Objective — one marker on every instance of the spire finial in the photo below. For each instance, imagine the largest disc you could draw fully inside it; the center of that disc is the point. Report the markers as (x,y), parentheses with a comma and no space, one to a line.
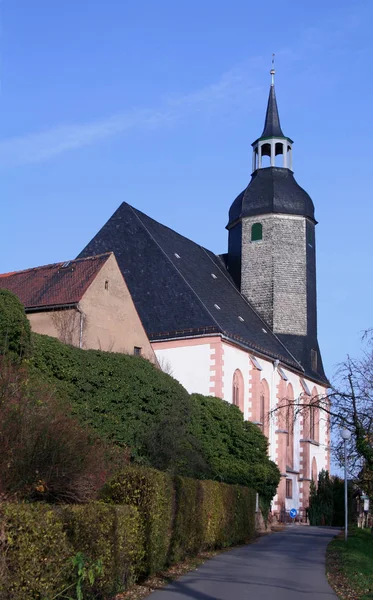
(273,70)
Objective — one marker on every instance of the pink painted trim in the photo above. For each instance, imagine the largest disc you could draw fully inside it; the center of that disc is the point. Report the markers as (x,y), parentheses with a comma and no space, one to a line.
(216,367)
(185,342)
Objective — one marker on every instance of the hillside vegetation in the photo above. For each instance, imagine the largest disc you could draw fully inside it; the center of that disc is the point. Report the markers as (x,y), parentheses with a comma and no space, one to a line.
(131,403)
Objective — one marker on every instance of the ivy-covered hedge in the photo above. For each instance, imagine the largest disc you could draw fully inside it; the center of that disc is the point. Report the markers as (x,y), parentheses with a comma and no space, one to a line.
(235,451)
(130,402)
(15,330)
(126,399)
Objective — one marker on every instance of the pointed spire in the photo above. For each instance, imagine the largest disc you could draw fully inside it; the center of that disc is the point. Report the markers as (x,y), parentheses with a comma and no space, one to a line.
(272,127)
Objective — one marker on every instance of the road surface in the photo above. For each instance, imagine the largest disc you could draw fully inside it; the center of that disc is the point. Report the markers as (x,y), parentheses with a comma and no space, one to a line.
(289,565)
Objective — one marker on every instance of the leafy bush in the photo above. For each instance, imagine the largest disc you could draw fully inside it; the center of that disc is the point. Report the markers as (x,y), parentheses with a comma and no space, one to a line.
(34,552)
(187,528)
(126,399)
(152,493)
(327,501)
(44,453)
(15,331)
(183,516)
(108,535)
(234,450)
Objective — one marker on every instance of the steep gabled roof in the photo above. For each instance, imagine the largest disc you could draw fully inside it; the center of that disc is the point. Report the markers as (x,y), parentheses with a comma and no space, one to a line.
(179,288)
(54,285)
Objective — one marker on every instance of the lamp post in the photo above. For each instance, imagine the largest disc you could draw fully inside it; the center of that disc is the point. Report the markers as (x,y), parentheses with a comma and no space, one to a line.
(346,435)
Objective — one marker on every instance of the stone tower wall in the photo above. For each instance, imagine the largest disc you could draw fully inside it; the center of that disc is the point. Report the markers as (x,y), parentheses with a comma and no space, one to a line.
(274,271)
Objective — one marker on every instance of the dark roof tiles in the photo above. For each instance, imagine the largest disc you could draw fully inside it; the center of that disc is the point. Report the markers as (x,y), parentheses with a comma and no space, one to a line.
(272,127)
(272,190)
(177,297)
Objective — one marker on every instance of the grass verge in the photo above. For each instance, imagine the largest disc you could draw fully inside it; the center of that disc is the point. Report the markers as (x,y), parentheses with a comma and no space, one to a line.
(349,565)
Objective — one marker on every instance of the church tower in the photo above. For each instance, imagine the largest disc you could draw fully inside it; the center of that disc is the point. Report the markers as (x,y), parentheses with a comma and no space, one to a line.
(271,247)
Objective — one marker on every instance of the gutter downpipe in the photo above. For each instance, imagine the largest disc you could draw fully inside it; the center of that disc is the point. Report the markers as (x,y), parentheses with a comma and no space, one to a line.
(81,323)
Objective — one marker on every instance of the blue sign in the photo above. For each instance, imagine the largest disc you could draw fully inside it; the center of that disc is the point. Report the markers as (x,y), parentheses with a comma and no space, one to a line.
(293,513)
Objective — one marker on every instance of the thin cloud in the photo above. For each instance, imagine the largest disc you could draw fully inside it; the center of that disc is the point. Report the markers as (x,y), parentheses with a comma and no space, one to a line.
(41,146)
(235,88)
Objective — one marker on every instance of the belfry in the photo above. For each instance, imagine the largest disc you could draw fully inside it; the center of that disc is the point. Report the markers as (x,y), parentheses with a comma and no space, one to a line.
(271,247)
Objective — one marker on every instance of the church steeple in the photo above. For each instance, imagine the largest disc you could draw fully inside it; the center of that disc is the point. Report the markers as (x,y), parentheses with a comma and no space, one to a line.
(272,142)
(272,127)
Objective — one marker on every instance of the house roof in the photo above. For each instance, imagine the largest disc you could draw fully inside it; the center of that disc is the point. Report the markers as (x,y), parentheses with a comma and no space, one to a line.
(58,284)
(181,289)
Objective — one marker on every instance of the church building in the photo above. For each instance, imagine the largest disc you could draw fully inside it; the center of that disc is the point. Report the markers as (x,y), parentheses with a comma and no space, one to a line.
(241,326)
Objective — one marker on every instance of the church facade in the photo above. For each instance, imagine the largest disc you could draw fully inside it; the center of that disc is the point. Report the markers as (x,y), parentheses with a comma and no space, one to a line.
(241,326)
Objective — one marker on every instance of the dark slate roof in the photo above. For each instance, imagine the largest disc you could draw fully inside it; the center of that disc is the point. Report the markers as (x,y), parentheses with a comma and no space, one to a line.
(272,190)
(272,127)
(171,282)
(54,285)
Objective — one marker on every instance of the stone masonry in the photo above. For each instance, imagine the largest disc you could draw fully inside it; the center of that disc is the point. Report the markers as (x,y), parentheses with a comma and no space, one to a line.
(274,271)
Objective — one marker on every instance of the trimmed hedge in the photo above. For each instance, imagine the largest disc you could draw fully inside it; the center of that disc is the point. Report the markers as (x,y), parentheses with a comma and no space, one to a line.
(210,515)
(34,552)
(183,516)
(110,534)
(148,520)
(152,492)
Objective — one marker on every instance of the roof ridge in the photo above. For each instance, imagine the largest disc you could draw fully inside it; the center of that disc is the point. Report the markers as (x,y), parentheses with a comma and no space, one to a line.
(50,265)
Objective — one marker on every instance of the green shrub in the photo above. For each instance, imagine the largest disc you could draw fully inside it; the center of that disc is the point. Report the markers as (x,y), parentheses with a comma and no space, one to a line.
(111,535)
(126,399)
(183,516)
(187,529)
(152,492)
(234,450)
(34,552)
(45,454)
(15,331)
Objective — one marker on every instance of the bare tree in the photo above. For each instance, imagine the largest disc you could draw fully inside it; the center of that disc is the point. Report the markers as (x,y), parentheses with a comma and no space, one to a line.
(67,323)
(348,404)
(165,365)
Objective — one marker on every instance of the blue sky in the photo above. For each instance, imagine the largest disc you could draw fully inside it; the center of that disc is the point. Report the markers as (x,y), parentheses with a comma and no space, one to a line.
(156,103)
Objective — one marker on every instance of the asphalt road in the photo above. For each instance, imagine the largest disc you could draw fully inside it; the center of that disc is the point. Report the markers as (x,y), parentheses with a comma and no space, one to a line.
(289,565)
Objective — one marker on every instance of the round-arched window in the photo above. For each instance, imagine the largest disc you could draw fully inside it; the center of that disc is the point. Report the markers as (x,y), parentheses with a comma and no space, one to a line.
(238,390)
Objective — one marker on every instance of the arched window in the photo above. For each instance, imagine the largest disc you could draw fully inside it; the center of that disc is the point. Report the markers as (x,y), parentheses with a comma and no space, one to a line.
(314,471)
(290,426)
(314,416)
(256,232)
(238,390)
(264,407)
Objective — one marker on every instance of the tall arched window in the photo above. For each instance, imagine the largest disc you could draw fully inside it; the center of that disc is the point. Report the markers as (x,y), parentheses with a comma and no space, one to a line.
(238,390)
(256,232)
(314,417)
(264,407)
(290,426)
(314,470)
